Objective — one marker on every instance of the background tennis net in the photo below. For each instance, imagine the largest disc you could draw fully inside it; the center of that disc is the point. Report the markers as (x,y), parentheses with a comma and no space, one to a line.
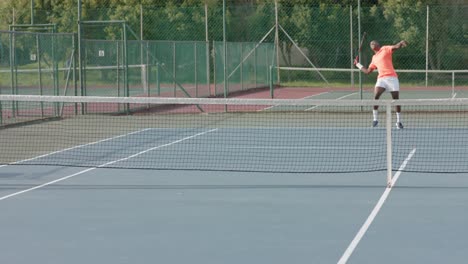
(414,84)
(287,136)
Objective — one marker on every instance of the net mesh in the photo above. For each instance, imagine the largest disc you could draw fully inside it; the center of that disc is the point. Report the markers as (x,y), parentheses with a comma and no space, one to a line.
(281,136)
(414,84)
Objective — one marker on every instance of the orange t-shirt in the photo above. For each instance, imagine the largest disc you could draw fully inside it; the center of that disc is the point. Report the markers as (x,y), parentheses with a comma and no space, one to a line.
(382,60)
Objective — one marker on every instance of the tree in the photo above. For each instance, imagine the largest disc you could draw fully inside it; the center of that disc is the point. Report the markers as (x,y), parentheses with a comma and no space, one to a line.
(445,29)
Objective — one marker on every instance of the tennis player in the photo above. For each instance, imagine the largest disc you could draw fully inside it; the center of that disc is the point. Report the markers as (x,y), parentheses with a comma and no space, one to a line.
(387,78)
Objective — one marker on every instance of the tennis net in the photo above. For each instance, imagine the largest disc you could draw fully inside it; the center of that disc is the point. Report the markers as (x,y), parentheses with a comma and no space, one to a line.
(143,80)
(276,135)
(414,84)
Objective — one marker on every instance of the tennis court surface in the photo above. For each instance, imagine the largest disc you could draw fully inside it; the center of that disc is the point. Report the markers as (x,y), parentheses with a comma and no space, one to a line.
(168,180)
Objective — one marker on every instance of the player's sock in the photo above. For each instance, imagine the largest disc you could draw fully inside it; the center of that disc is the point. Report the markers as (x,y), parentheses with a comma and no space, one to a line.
(375,113)
(398,122)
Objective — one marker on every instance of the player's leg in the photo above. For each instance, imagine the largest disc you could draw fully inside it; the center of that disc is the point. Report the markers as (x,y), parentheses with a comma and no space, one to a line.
(378,91)
(396,96)
(394,88)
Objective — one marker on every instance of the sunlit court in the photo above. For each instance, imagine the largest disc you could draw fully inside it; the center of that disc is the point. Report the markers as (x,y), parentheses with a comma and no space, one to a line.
(233,132)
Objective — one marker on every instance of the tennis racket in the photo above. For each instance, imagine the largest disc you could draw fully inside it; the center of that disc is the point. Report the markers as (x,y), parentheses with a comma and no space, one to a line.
(360,47)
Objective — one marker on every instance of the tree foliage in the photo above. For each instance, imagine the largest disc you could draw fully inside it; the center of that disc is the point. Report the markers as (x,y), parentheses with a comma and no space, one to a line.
(319,26)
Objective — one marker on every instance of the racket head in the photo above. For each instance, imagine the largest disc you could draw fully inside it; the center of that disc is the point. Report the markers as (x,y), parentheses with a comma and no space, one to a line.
(360,47)
(362,41)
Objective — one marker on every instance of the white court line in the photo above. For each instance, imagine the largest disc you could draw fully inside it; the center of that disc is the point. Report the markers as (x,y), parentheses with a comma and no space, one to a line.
(308,109)
(103,165)
(302,98)
(307,97)
(299,148)
(74,147)
(374,212)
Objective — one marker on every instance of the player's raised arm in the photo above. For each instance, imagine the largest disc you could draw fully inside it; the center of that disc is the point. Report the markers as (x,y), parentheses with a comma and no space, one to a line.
(361,67)
(400,44)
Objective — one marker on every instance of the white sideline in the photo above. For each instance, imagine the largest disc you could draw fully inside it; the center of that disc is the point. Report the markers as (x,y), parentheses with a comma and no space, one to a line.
(374,213)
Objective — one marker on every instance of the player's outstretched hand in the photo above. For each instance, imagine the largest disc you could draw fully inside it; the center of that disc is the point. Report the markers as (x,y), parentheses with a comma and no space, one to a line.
(356,60)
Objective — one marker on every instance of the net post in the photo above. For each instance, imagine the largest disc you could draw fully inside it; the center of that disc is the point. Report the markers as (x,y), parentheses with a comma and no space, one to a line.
(388,127)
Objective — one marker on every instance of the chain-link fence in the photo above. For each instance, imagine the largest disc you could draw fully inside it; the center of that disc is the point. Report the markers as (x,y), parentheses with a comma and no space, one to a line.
(36,64)
(173,50)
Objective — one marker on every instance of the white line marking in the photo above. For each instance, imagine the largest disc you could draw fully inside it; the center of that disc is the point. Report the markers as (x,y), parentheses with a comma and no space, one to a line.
(374,213)
(310,96)
(454,95)
(298,148)
(45,184)
(75,147)
(308,109)
(157,147)
(102,165)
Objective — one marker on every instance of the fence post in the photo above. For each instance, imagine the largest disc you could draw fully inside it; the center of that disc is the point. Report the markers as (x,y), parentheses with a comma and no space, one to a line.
(271,82)
(80,59)
(174,68)
(242,66)
(195,66)
(158,75)
(427,42)
(38,58)
(360,53)
(277,42)
(215,91)
(207,41)
(225,53)
(351,44)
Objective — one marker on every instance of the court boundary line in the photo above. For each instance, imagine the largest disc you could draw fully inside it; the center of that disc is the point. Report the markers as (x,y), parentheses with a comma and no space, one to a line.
(102,165)
(310,108)
(362,231)
(237,146)
(270,107)
(75,147)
